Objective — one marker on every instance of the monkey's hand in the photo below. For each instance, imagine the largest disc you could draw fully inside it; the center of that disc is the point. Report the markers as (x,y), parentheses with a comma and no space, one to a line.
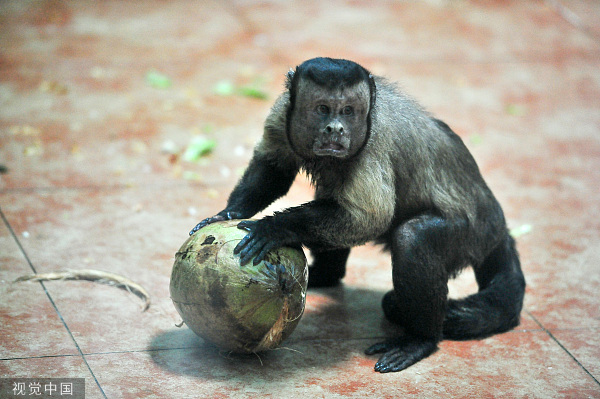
(401,353)
(263,236)
(219,217)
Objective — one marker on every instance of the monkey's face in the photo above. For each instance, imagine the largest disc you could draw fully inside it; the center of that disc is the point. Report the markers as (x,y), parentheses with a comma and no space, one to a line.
(329,122)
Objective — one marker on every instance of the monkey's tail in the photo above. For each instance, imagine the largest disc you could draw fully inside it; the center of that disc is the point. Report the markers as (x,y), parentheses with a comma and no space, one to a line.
(497,305)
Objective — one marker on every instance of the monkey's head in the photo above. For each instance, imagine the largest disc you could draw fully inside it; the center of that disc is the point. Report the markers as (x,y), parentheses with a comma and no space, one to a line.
(329,114)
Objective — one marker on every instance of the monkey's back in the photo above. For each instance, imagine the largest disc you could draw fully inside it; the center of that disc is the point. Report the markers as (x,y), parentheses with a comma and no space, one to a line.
(434,171)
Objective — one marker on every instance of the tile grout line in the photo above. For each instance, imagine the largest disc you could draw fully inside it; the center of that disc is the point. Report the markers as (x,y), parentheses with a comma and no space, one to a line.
(12,232)
(37,357)
(562,347)
(14,236)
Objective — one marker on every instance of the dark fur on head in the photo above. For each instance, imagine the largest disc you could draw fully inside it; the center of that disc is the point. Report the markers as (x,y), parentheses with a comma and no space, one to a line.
(330,73)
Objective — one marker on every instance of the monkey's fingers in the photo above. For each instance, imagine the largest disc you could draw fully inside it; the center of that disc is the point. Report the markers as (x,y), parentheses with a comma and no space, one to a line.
(243,243)
(264,251)
(246,225)
(252,251)
(206,222)
(198,227)
(394,360)
(219,217)
(401,353)
(245,248)
(251,247)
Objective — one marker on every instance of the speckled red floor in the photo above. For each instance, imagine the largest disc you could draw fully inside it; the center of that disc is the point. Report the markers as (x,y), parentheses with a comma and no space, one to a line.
(91,179)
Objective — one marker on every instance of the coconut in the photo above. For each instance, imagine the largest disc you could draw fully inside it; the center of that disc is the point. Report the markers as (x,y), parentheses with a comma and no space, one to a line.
(242,309)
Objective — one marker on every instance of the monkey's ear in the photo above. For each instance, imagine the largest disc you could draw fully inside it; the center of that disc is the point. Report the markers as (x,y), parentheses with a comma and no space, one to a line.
(373,88)
(289,78)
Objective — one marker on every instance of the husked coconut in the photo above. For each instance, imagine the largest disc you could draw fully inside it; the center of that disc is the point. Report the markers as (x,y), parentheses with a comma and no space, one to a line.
(242,309)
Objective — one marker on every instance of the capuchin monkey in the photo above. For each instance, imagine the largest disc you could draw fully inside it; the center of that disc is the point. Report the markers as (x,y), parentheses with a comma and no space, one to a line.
(385,171)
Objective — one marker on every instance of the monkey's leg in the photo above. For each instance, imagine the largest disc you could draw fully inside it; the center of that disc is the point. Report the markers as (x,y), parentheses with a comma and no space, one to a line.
(421,248)
(497,305)
(328,267)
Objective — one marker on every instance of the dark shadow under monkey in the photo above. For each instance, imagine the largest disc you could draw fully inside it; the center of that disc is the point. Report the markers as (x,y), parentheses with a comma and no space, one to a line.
(386,171)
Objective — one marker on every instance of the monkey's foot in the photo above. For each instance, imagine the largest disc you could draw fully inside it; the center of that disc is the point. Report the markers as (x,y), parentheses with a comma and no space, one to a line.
(401,353)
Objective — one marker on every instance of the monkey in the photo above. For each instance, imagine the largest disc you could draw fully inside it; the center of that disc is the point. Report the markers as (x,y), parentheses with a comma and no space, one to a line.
(384,171)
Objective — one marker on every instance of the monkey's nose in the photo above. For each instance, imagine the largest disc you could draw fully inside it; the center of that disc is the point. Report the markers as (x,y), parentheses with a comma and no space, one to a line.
(335,127)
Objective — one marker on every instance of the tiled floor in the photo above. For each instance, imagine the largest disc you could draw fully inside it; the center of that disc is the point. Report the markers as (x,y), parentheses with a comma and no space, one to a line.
(90,183)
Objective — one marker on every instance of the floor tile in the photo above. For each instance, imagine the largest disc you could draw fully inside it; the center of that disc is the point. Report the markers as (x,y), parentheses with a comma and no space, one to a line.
(564,295)
(333,368)
(25,310)
(583,345)
(99,231)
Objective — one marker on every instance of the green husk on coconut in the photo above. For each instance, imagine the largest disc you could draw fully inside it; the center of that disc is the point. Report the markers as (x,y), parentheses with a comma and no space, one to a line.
(242,309)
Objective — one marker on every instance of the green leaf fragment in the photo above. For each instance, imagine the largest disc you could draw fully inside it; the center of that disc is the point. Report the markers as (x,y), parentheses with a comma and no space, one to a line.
(158,80)
(475,139)
(224,88)
(521,230)
(198,147)
(227,88)
(516,110)
(253,92)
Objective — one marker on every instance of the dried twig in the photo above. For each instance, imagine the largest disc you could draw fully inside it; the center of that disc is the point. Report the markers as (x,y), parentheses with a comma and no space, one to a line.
(96,276)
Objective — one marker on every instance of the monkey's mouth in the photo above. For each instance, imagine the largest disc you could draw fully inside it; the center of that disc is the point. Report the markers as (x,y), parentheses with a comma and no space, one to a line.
(331,149)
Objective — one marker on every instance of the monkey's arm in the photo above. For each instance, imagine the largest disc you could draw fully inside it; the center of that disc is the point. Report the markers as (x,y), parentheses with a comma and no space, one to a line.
(360,212)
(304,224)
(264,181)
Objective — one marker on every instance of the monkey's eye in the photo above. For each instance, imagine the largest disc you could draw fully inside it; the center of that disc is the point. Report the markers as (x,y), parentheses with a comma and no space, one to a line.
(322,109)
(348,110)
